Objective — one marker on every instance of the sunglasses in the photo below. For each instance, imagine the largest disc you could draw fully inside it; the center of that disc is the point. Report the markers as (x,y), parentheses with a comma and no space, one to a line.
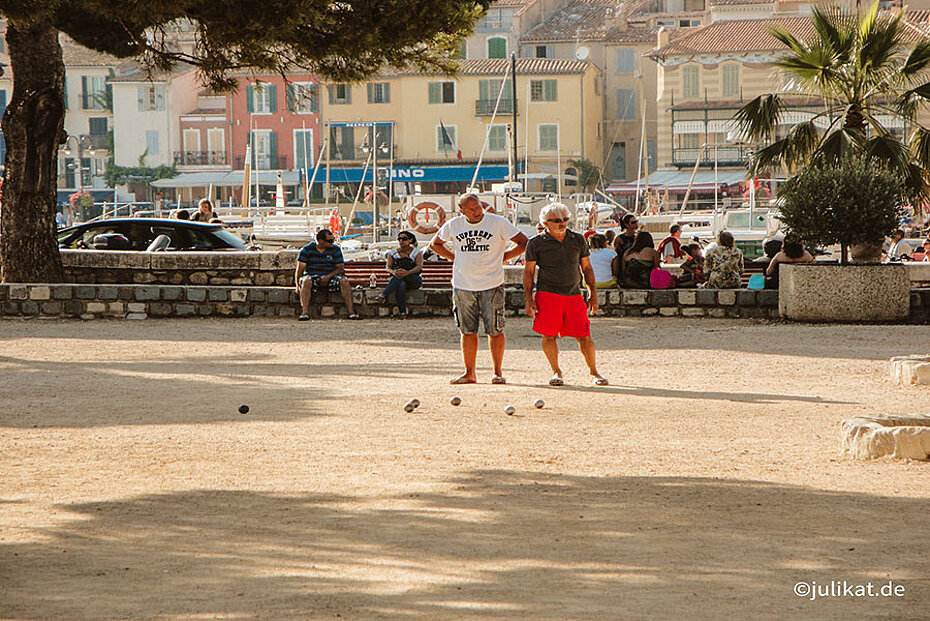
(329,240)
(404,239)
(557,220)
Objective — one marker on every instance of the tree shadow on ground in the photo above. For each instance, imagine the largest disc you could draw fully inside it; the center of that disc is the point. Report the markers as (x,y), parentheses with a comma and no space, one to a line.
(497,544)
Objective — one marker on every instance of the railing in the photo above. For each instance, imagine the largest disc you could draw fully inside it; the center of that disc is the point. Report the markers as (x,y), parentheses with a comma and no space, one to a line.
(200,158)
(263,162)
(93,101)
(723,156)
(98,141)
(485,107)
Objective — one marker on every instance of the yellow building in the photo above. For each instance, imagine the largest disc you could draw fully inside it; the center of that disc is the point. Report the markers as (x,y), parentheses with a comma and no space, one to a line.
(447,122)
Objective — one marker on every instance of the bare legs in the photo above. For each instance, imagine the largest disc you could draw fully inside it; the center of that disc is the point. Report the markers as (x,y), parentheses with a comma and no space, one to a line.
(550,345)
(470,355)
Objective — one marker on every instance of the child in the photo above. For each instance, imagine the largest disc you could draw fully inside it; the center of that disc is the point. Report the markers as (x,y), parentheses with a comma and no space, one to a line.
(692,270)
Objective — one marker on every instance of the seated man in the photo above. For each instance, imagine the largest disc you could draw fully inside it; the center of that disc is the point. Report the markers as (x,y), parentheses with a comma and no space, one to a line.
(320,265)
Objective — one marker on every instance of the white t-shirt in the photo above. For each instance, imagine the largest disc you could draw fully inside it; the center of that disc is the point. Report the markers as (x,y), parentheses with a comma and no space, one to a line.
(479,250)
(601,258)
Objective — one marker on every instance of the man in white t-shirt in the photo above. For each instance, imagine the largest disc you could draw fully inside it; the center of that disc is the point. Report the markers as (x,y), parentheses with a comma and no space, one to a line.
(477,244)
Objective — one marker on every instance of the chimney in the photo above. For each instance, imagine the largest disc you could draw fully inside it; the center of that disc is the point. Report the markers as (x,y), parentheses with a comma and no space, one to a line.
(662,37)
(616,17)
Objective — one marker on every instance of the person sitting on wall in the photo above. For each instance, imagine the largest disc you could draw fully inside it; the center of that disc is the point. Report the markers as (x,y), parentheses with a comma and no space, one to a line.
(181,214)
(898,249)
(724,264)
(770,248)
(602,261)
(404,264)
(793,252)
(320,265)
(692,270)
(639,261)
(204,211)
(670,250)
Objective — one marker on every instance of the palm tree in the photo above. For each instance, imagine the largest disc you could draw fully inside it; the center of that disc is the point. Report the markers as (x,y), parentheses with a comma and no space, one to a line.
(865,72)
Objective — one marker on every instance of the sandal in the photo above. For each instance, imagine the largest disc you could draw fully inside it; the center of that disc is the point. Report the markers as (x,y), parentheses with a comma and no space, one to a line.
(353,317)
(304,318)
(463,380)
(600,381)
(555,380)
(498,379)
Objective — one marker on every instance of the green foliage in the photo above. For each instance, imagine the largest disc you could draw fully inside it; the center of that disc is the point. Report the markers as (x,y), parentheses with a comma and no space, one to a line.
(852,202)
(859,70)
(589,175)
(118,175)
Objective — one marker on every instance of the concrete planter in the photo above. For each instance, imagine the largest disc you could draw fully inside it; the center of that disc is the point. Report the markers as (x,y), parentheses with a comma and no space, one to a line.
(844,292)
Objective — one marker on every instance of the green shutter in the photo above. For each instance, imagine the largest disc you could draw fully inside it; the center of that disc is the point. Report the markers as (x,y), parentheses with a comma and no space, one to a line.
(483,89)
(435,92)
(273,97)
(497,48)
(273,149)
(249,95)
(551,90)
(290,97)
(314,92)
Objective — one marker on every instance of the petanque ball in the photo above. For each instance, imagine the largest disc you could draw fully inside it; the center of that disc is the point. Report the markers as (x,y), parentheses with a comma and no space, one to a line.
(455,401)
(415,403)
(510,410)
(409,407)
(243,409)
(539,403)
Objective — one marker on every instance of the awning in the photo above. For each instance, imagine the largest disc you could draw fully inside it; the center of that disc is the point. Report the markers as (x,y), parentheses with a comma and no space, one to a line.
(677,181)
(337,174)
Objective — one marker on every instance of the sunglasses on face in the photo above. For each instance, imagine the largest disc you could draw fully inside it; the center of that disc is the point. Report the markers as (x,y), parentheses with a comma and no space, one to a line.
(557,220)
(404,239)
(328,240)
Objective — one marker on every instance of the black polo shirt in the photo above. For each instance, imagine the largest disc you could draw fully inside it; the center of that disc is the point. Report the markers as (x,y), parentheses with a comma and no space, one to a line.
(559,262)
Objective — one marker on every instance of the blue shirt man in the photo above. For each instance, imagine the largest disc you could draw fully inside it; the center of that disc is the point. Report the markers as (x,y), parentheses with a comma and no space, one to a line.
(320,265)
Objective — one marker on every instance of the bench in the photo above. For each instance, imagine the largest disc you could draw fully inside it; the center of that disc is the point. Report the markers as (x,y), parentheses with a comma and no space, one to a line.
(750,268)
(436,274)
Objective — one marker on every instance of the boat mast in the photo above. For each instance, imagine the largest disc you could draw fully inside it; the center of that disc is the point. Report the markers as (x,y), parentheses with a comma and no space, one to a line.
(513,90)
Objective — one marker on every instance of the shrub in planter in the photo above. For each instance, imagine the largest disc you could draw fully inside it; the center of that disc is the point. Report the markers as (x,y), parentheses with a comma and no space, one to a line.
(853,202)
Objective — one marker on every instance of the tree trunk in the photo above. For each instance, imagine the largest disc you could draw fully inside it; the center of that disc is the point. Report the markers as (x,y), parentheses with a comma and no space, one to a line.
(33,126)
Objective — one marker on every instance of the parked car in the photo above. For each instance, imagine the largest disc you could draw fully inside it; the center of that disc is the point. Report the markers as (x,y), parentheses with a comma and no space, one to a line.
(140,233)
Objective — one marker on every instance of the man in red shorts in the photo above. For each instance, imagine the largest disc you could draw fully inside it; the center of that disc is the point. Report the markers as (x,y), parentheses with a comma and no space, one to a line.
(558,308)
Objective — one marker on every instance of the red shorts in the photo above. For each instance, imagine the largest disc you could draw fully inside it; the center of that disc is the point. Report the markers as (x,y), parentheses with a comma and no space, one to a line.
(561,315)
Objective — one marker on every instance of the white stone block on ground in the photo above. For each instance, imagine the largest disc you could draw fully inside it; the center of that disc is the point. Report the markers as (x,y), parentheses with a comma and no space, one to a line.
(887,435)
(909,370)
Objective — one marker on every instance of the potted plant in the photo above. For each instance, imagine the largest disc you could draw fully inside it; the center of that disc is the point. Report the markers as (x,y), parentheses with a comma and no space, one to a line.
(854,202)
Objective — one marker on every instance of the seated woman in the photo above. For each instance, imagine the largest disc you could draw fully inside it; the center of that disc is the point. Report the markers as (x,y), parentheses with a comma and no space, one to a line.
(724,264)
(692,270)
(639,261)
(792,252)
(602,261)
(405,263)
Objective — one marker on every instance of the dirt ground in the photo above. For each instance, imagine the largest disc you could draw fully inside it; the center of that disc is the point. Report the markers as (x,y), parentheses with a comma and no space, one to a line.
(704,483)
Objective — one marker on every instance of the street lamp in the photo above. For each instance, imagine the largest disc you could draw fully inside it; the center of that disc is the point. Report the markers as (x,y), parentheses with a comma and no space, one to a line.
(83,143)
(365,148)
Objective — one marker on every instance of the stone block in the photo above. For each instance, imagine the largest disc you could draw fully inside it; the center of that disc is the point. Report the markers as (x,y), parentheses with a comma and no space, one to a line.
(171,294)
(107,293)
(85,292)
(11,308)
(263,279)
(220,281)
(747,297)
(88,316)
(634,297)
(226,309)
(732,312)
(613,296)
(161,309)
(196,295)
(144,278)
(668,311)
(96,308)
(185,310)
(327,311)
(40,292)
(903,436)
(384,311)
(19,292)
(50,308)
(135,307)
(125,293)
(218,294)
(662,298)
(649,312)
(116,308)
(198,278)
(241,282)
(844,292)
(62,292)
(768,298)
(256,295)
(204,310)
(4,292)
(706,297)
(243,310)
(753,312)
(444,299)
(238,295)
(279,296)
(147,293)
(263,310)
(692,311)
(602,297)
(416,297)
(358,297)
(716,312)
(176,278)
(72,308)
(136,316)
(908,370)
(687,298)
(284,311)
(726,297)
(916,300)
(284,280)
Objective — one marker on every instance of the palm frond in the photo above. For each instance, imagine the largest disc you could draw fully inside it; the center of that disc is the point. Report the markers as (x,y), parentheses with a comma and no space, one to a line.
(792,151)
(917,60)
(888,150)
(836,29)
(758,119)
(919,144)
(838,145)
(880,40)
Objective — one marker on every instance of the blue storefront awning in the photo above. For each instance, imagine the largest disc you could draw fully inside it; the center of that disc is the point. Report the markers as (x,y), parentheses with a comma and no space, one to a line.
(100,196)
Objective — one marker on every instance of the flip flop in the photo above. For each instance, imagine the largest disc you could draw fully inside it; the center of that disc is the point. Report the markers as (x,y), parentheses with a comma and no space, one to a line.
(600,381)
(463,380)
(498,379)
(353,317)
(556,381)
(304,318)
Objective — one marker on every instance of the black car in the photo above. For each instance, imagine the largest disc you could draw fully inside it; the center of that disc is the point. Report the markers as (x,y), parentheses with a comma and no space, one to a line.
(140,233)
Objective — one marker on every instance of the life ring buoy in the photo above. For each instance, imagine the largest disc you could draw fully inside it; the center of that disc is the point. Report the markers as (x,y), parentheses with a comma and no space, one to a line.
(424,225)
(488,207)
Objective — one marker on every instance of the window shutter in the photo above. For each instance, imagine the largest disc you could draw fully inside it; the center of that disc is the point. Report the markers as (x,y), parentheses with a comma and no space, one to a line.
(332,93)
(551,90)
(273,149)
(160,98)
(371,92)
(85,104)
(387,92)
(249,97)
(141,95)
(290,97)
(434,92)
(272,97)
(348,94)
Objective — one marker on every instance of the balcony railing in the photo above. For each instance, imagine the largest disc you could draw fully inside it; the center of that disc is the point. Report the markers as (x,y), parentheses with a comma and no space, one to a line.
(725,156)
(263,162)
(485,107)
(98,141)
(200,158)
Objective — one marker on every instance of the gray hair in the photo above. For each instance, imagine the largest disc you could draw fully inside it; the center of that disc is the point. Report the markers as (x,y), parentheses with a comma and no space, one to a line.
(464,198)
(554,208)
